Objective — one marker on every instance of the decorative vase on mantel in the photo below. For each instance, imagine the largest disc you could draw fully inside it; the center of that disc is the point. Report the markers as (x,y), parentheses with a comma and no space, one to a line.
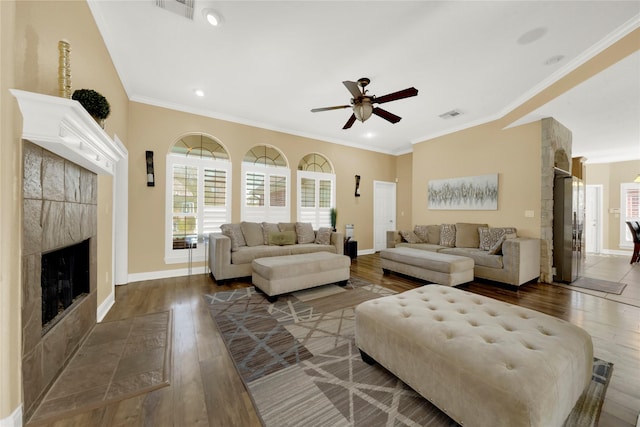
(96,105)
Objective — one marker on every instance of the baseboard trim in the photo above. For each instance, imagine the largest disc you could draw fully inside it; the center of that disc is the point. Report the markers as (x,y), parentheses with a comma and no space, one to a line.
(163,274)
(13,420)
(106,305)
(616,252)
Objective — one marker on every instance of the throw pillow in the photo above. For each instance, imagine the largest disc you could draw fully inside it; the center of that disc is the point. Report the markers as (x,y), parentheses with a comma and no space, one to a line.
(234,232)
(489,236)
(447,235)
(496,249)
(433,234)
(287,226)
(252,232)
(305,232)
(410,237)
(484,233)
(467,235)
(323,236)
(422,231)
(282,238)
(268,227)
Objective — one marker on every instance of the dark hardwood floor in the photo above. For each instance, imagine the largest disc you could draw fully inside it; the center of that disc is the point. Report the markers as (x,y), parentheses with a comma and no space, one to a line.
(205,389)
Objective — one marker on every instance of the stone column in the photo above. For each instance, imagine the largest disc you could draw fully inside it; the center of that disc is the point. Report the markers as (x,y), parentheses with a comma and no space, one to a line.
(556,153)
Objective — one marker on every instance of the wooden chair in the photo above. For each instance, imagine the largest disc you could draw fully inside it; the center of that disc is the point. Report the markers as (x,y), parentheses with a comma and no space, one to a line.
(634,228)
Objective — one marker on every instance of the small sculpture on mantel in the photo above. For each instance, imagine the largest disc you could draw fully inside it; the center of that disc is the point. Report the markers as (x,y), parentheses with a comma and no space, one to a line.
(95,104)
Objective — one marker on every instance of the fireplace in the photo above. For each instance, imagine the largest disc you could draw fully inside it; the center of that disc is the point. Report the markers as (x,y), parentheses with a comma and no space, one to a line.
(59,289)
(64,280)
(64,150)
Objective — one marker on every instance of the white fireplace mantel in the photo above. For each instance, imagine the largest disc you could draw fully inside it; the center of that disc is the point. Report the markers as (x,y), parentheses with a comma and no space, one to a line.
(64,127)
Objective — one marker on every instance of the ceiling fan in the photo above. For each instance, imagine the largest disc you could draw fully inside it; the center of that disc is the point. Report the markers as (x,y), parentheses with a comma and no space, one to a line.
(362,104)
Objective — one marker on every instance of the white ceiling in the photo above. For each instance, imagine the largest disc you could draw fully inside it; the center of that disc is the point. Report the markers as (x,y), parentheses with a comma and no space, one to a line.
(272,61)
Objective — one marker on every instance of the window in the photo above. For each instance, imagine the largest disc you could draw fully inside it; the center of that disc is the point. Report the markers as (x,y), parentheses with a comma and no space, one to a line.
(316,190)
(265,186)
(198,194)
(629,211)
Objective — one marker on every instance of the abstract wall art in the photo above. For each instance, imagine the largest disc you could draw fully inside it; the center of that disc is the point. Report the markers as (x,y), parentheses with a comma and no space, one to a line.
(465,193)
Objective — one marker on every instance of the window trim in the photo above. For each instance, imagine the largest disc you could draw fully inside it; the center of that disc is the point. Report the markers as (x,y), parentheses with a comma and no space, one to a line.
(175,256)
(624,228)
(270,213)
(317,177)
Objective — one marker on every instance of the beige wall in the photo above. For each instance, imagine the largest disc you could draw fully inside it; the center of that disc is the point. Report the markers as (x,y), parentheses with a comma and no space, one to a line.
(610,176)
(157,129)
(10,220)
(29,37)
(404,191)
(514,154)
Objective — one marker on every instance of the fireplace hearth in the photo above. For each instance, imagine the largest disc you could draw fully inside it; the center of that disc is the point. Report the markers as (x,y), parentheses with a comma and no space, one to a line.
(64,279)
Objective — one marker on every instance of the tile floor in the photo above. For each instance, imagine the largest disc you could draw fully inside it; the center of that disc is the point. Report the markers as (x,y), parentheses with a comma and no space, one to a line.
(615,268)
(117,360)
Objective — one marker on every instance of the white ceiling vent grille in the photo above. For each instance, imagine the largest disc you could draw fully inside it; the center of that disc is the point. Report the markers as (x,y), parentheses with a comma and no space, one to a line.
(450,114)
(181,7)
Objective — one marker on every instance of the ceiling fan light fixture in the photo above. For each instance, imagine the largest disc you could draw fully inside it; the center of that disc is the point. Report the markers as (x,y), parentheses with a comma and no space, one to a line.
(213,17)
(363,109)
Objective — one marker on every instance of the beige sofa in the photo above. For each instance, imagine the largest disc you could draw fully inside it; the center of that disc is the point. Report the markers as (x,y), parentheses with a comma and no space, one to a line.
(498,253)
(232,251)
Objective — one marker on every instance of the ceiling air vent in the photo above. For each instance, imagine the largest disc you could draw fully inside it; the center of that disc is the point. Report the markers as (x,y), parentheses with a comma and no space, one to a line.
(450,114)
(180,7)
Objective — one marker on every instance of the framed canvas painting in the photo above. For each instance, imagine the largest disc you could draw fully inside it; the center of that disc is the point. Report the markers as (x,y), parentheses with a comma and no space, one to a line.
(466,193)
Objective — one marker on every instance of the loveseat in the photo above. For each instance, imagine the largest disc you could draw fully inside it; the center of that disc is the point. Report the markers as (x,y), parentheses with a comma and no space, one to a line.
(233,249)
(498,253)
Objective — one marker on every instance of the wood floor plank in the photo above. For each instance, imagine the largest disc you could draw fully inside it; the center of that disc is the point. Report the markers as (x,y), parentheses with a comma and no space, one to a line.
(206,390)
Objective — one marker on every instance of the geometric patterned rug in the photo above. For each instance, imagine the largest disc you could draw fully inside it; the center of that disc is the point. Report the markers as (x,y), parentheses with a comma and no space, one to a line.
(298,360)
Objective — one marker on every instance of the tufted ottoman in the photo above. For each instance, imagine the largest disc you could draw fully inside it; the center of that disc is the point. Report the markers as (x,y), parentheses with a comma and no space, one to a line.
(481,361)
(288,273)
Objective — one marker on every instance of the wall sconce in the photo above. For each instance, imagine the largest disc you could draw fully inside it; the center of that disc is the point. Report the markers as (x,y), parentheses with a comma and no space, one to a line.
(357,193)
(151,181)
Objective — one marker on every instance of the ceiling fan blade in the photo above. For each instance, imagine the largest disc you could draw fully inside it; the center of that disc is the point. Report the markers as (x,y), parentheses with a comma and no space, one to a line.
(405,93)
(337,107)
(386,115)
(350,122)
(353,88)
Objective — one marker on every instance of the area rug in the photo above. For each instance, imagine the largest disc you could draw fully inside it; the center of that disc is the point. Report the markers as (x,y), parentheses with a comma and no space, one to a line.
(599,285)
(119,359)
(299,362)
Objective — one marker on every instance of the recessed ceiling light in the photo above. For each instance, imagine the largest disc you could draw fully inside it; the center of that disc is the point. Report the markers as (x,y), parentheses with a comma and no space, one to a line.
(213,17)
(369,135)
(199,92)
(532,35)
(554,60)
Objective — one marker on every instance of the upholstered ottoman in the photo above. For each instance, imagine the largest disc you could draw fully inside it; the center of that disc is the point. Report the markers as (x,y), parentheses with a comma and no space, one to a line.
(481,361)
(282,274)
(435,267)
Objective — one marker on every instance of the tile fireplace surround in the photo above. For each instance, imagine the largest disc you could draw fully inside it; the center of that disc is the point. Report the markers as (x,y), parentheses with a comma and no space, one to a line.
(60,209)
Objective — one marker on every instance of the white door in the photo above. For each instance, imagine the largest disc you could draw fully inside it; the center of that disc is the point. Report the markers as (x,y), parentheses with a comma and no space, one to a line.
(384,212)
(593,219)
